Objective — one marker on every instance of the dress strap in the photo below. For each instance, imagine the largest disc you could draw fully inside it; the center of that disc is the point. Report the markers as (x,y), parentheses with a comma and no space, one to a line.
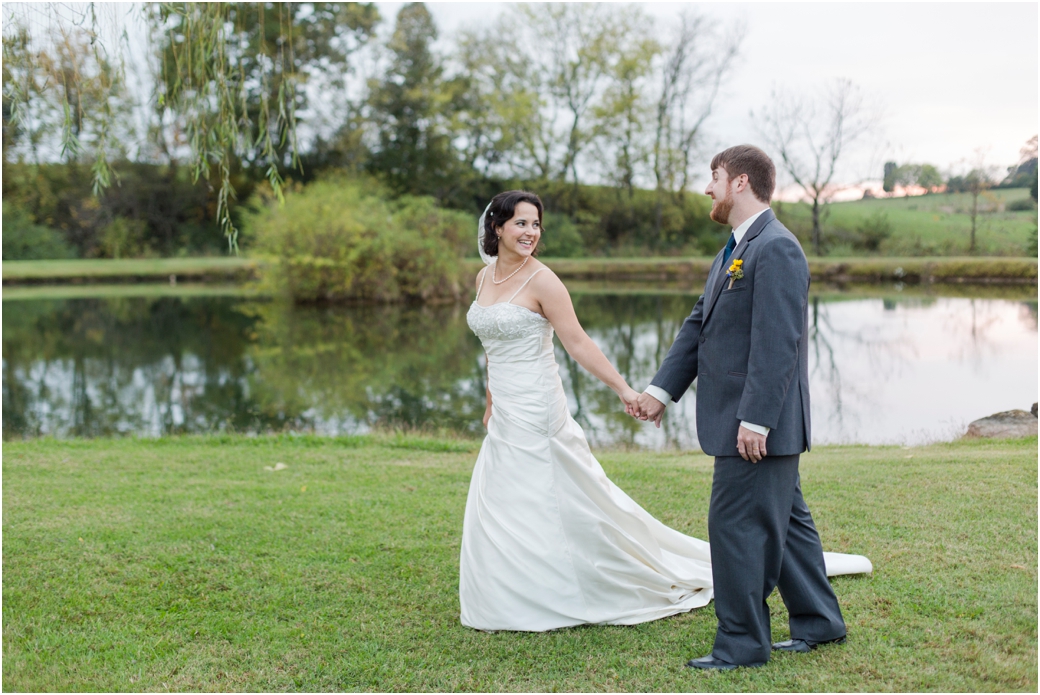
(525,284)
(481,285)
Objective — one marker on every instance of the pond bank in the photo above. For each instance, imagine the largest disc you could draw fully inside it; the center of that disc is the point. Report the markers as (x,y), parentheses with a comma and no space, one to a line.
(995,270)
(925,270)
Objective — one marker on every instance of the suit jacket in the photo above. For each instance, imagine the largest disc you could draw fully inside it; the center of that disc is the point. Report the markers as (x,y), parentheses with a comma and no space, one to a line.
(748,346)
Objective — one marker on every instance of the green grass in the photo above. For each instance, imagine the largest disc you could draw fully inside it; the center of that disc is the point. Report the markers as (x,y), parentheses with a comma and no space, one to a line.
(931,225)
(844,269)
(128,267)
(685,270)
(105,291)
(182,564)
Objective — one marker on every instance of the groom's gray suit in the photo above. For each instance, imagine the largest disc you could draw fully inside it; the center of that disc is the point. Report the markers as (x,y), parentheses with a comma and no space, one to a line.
(748,347)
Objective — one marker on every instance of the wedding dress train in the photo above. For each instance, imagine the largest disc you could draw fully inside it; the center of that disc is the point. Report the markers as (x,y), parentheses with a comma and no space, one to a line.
(548,540)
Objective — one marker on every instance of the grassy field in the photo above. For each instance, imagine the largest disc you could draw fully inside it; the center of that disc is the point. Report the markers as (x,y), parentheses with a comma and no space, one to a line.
(930,225)
(129,289)
(91,268)
(26,274)
(842,269)
(186,564)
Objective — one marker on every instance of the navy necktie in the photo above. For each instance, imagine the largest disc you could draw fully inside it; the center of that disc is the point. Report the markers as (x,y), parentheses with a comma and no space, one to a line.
(730,245)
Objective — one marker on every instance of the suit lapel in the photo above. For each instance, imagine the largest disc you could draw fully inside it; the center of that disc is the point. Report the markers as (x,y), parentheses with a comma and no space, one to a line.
(720,277)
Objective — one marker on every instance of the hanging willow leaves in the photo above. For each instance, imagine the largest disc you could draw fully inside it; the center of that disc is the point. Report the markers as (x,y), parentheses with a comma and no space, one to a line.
(208,65)
(226,87)
(63,69)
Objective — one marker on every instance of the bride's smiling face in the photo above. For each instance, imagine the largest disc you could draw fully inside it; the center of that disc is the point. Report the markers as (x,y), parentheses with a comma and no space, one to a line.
(521,233)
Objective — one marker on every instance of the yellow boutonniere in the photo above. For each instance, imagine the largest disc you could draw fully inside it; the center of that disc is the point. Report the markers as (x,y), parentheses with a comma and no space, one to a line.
(735,272)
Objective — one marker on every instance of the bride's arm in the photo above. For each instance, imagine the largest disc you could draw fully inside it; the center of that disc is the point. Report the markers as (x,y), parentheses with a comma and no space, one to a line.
(555,303)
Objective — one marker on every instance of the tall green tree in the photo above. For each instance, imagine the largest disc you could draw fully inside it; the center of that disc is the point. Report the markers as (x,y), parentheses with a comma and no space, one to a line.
(889,181)
(411,110)
(548,64)
(621,135)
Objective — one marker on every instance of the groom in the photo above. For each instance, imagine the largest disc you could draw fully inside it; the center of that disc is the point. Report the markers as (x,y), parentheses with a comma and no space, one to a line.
(746,340)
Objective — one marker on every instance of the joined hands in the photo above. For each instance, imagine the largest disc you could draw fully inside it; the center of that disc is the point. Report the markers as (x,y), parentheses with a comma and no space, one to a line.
(643,406)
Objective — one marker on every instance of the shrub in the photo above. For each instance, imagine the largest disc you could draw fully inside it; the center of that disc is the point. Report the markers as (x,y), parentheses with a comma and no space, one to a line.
(342,239)
(24,240)
(561,238)
(124,238)
(874,230)
(177,214)
(1021,205)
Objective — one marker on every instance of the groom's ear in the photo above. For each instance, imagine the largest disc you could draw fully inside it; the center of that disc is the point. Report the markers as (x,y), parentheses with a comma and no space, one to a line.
(743,183)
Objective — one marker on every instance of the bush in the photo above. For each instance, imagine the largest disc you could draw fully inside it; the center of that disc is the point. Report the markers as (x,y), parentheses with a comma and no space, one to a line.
(341,239)
(124,238)
(177,215)
(874,230)
(24,240)
(1021,205)
(560,237)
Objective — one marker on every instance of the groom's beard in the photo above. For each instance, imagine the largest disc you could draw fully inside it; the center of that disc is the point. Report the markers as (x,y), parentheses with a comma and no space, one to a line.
(722,207)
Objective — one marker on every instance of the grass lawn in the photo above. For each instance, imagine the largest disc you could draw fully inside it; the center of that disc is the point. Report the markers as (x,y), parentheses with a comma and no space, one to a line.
(930,225)
(127,267)
(183,564)
(134,289)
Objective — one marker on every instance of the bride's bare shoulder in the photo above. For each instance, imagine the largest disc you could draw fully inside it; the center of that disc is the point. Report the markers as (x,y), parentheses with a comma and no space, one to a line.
(547,281)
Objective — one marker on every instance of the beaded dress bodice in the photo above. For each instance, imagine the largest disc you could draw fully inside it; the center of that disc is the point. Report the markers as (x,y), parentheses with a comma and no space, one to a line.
(505,321)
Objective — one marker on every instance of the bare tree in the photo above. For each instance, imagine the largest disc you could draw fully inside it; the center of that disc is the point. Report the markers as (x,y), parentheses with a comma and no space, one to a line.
(694,67)
(976,182)
(811,135)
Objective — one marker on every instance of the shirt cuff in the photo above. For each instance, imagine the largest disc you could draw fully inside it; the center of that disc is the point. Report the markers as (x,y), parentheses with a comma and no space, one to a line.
(758,429)
(659,393)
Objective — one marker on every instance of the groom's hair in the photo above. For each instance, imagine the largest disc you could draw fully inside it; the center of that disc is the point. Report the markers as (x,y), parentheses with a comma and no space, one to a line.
(748,159)
(501,210)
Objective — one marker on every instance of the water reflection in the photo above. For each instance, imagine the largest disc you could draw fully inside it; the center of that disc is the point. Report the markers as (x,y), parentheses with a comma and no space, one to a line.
(882,370)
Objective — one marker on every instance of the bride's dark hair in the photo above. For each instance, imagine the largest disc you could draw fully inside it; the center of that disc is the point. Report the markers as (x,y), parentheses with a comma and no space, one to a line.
(503,206)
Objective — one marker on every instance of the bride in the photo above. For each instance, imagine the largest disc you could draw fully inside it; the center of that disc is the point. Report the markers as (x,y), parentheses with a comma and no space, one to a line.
(548,540)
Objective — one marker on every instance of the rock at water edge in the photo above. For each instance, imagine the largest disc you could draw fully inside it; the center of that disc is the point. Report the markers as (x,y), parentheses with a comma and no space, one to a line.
(1010,424)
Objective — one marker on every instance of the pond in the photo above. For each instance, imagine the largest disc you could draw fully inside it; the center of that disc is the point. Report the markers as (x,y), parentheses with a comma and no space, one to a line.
(885,366)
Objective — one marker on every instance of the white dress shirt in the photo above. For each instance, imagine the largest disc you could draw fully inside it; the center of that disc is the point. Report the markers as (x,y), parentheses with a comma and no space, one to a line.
(663,396)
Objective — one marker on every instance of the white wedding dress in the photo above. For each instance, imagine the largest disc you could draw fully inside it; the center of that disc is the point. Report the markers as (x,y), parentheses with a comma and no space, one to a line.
(548,541)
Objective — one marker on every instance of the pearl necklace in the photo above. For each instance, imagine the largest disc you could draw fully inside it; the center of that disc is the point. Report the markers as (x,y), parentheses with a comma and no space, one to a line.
(495,270)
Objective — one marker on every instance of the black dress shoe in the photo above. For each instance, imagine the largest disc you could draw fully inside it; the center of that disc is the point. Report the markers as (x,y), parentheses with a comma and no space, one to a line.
(803,646)
(710,662)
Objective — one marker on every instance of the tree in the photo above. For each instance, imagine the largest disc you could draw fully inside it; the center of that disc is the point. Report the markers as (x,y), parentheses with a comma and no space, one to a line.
(621,116)
(929,177)
(549,77)
(1024,171)
(812,135)
(227,79)
(907,175)
(62,87)
(888,185)
(411,108)
(695,64)
(976,182)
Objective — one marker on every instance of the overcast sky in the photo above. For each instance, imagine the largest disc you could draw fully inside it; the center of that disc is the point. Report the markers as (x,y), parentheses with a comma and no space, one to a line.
(952,77)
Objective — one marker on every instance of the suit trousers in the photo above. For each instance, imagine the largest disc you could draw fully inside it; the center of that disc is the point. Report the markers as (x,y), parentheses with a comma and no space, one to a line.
(762,536)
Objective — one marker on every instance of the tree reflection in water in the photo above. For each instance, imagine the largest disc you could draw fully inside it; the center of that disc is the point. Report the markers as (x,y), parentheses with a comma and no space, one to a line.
(163,366)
